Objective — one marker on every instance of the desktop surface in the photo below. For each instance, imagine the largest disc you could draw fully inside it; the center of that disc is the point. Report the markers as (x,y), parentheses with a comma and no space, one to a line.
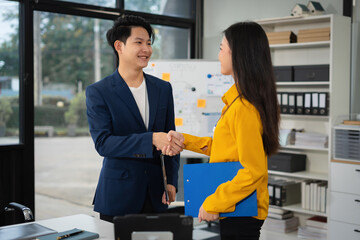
(106,229)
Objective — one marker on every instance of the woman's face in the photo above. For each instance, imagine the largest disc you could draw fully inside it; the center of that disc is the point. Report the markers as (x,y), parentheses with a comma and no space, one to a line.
(225,58)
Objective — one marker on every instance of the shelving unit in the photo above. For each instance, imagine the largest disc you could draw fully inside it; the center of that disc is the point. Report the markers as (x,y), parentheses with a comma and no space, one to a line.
(297,208)
(301,45)
(298,148)
(302,175)
(302,84)
(336,53)
(304,117)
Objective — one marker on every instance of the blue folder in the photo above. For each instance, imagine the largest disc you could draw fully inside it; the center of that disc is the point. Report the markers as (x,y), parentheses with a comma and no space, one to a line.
(202,180)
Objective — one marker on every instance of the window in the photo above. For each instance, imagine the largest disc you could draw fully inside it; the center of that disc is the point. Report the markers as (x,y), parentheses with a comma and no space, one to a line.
(184,8)
(103,3)
(70,54)
(9,73)
(171,43)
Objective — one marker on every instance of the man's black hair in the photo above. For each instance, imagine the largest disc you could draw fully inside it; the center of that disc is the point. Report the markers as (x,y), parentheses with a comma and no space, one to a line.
(121,30)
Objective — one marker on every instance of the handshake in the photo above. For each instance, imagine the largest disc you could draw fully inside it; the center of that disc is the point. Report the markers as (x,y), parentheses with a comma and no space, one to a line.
(171,143)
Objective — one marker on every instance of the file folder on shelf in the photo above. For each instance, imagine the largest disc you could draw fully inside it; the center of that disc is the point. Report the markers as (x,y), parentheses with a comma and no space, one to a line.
(279,99)
(202,180)
(287,192)
(323,103)
(307,103)
(299,103)
(315,103)
(292,104)
(284,103)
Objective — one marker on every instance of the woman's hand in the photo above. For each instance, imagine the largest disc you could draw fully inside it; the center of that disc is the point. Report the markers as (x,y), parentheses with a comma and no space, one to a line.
(161,141)
(176,145)
(205,216)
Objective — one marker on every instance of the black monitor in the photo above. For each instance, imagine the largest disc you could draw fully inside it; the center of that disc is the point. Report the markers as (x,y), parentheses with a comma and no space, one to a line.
(167,226)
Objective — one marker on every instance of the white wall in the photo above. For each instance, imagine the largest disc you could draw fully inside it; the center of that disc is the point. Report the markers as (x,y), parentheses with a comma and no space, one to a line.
(218,15)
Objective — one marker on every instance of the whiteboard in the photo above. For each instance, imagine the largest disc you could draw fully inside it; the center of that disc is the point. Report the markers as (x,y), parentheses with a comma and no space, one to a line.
(198,86)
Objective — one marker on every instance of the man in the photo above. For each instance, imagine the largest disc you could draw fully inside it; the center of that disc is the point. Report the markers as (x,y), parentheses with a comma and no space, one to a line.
(129,114)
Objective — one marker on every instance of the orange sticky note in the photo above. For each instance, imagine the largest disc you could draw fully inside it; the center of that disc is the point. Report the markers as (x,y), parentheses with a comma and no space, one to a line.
(153,64)
(178,121)
(166,77)
(201,103)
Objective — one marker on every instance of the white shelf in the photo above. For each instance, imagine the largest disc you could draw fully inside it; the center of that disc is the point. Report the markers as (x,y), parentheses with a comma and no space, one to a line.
(304,148)
(301,174)
(299,209)
(301,45)
(304,117)
(291,20)
(303,84)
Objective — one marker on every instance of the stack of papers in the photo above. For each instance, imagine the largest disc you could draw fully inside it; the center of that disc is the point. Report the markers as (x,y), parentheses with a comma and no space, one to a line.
(312,233)
(315,228)
(310,139)
(279,213)
(281,225)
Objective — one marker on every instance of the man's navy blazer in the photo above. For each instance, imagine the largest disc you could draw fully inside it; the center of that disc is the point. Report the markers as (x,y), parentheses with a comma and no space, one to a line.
(131,164)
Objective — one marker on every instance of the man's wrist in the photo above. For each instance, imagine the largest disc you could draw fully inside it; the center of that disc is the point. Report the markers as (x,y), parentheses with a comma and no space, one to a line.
(154,138)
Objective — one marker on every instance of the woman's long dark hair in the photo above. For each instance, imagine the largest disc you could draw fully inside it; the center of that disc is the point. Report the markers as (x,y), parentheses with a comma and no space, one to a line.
(254,77)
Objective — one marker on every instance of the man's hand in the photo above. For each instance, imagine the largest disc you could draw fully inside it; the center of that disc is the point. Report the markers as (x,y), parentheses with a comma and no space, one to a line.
(177,143)
(161,141)
(171,192)
(205,216)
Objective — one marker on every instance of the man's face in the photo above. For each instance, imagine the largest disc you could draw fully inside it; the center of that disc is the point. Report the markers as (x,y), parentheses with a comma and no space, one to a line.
(137,50)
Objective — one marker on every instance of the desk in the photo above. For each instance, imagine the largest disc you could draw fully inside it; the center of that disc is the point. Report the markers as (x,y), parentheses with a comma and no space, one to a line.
(81,221)
(106,229)
(103,228)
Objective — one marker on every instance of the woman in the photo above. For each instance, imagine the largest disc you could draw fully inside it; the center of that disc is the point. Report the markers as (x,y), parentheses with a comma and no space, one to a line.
(247,130)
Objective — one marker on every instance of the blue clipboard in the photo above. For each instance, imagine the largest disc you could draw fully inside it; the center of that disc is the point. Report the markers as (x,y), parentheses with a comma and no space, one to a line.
(202,180)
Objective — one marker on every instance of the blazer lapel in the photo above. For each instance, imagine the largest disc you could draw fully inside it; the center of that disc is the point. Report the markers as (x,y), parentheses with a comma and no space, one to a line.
(123,91)
(153,96)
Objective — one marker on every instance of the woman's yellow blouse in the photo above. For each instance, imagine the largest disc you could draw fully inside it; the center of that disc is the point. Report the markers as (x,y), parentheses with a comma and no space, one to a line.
(237,137)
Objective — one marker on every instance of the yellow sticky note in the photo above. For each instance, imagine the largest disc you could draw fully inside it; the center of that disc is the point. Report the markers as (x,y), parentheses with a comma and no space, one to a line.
(178,121)
(201,103)
(166,77)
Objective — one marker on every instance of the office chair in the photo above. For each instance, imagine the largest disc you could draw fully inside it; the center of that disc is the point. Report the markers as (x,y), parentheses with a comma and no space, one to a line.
(17,209)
